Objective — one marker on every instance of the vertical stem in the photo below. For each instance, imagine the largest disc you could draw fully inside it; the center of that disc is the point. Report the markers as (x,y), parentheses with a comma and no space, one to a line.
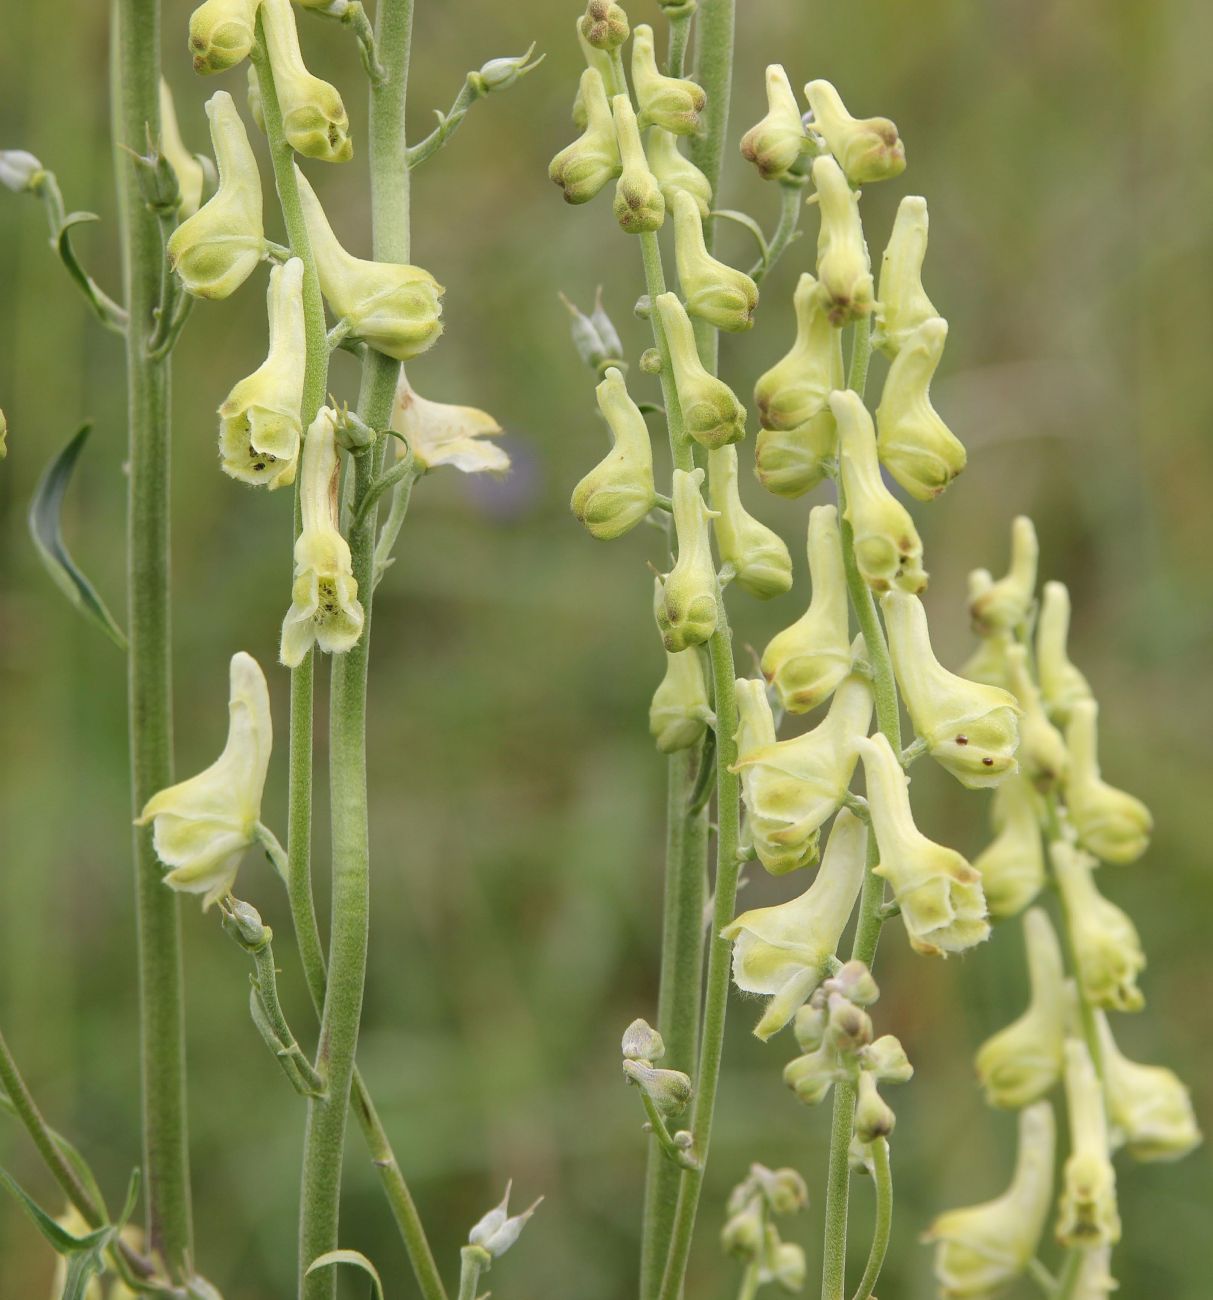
(135,93)
(882,1176)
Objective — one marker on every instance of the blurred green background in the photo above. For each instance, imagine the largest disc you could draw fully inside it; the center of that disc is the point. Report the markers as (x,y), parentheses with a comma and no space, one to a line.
(517,800)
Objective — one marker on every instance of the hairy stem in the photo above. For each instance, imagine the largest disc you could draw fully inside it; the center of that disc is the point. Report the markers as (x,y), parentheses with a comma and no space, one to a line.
(135,96)
(883,1177)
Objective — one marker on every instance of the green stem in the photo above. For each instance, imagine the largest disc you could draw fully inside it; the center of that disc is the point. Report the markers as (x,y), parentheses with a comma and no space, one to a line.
(791,203)
(1071,1270)
(136,94)
(750,1281)
(676,52)
(471,1264)
(883,1177)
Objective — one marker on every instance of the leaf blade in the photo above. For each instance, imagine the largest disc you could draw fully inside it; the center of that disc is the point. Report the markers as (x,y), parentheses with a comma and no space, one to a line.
(353,1257)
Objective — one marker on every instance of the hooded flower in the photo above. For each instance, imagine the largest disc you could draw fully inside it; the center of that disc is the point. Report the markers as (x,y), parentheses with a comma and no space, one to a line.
(888,549)
(675,171)
(782,951)
(394,307)
(1042,753)
(1022,1062)
(903,304)
(324,599)
(868,149)
(222,33)
(441,434)
(189,171)
(618,492)
(759,557)
(259,423)
(715,292)
(1113,824)
(1107,950)
(806,661)
(201,827)
(792,787)
(970,729)
(672,103)
(686,612)
(939,893)
(843,266)
(915,445)
(1005,605)
(313,116)
(1061,684)
(639,203)
(582,168)
(982,1248)
(1012,866)
(774,144)
(680,709)
(1087,1213)
(217,249)
(711,413)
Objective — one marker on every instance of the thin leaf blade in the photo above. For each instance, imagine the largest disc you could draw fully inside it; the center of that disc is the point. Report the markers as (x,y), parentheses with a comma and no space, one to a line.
(356,1259)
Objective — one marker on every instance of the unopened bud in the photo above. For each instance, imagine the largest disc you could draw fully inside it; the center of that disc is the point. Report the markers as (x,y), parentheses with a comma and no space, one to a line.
(675,171)
(244,923)
(853,981)
(501,74)
(784,1190)
(639,205)
(686,611)
(1006,604)
(1112,823)
(582,168)
(618,492)
(650,361)
(742,1234)
(668,1090)
(673,103)
(604,25)
(903,304)
(776,142)
(719,294)
(1061,684)
(594,336)
(641,1042)
(222,34)
(759,556)
(711,413)
(869,149)
(842,255)
(874,1117)
(788,1266)
(848,1027)
(679,711)
(887,1060)
(496,1232)
(809,1027)
(19,170)
(313,115)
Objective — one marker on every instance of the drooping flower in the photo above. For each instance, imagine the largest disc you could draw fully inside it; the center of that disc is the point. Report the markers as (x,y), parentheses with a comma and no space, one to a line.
(314,119)
(714,291)
(868,148)
(618,492)
(1087,1213)
(582,168)
(202,826)
(711,413)
(759,556)
(186,167)
(675,171)
(639,203)
(222,33)
(1061,684)
(902,303)
(686,611)
(1043,757)
(439,433)
(1012,865)
(776,142)
(843,267)
(672,103)
(1005,605)
(1112,823)
(679,711)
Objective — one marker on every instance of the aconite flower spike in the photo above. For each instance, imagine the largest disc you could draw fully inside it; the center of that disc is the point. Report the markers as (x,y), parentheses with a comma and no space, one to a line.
(202,826)
(715,292)
(983,1248)
(1112,823)
(774,144)
(868,149)
(314,119)
(915,445)
(325,610)
(618,492)
(687,611)
(939,893)
(902,304)
(1087,1213)
(672,103)
(1006,605)
(680,709)
(970,729)
(675,171)
(1022,1062)
(843,266)
(218,248)
(806,661)
(1042,753)
(260,423)
(888,550)
(792,787)
(783,951)
(760,559)
(222,33)
(582,168)
(1061,684)
(711,413)
(639,203)
(392,306)
(1012,866)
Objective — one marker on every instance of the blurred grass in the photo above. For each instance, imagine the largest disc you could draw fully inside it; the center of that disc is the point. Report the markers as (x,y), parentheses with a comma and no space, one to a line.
(517,801)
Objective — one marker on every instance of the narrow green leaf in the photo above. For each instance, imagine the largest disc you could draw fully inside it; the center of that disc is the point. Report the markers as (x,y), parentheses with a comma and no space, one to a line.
(353,1257)
(59,1238)
(744,219)
(44,527)
(107,311)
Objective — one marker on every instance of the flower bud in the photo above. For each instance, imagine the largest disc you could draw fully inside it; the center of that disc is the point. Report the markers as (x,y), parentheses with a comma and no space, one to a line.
(502,73)
(903,304)
(759,557)
(1061,684)
(1005,605)
(1107,950)
(19,170)
(1022,1062)
(202,826)
(641,1042)
(787,1266)
(188,170)
(604,25)
(809,1025)
(742,1235)
(1087,1214)
(672,103)
(853,981)
(1113,824)
(813,1075)
(1149,1109)
(755,721)
(639,204)
(886,1060)
(675,171)
(868,149)
(314,119)
(216,249)
(982,1248)
(711,413)
(988,663)
(680,709)
(843,266)
(970,729)
(668,1090)
(874,1117)
(939,893)
(325,610)
(259,423)
(253,99)
(496,1232)
(594,336)
(686,612)
(1042,754)
(782,951)
(393,307)
(792,787)
(1012,865)
(776,142)
(888,550)
(784,1190)
(618,492)
(438,433)
(582,168)
(806,661)
(715,292)
(222,34)
(915,445)
(848,1028)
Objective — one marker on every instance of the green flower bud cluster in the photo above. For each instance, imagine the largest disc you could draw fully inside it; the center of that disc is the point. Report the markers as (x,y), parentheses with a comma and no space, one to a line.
(669,1091)
(750,1235)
